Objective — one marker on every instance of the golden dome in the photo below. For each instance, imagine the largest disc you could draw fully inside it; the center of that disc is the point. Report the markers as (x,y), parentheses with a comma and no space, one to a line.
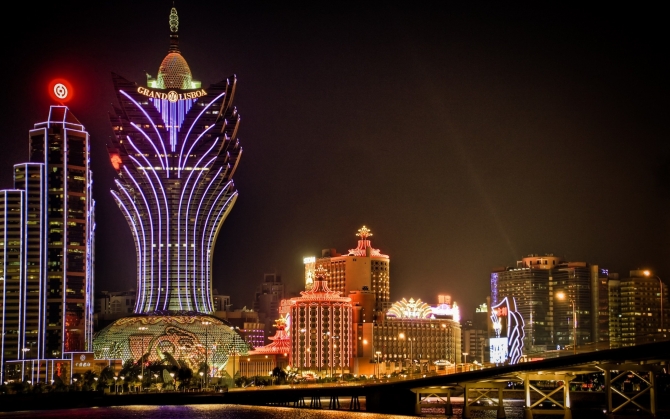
(174,73)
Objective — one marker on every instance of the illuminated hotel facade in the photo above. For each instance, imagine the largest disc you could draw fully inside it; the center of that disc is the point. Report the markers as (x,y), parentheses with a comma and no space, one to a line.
(46,253)
(321,329)
(536,284)
(361,268)
(175,150)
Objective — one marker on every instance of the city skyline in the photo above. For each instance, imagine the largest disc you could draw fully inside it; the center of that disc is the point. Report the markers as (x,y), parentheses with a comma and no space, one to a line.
(466,138)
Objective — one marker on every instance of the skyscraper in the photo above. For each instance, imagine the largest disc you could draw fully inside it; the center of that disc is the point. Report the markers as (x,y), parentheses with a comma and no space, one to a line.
(535,283)
(636,309)
(362,268)
(46,247)
(175,150)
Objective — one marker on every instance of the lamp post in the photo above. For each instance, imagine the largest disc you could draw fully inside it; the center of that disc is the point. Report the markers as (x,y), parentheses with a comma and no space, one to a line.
(561,296)
(411,357)
(465,359)
(446,350)
(116,387)
(647,274)
(377,354)
(206,324)
(142,328)
(201,373)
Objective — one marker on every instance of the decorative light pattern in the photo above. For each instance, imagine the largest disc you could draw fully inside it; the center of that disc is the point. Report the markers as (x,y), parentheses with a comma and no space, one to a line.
(320,328)
(170,337)
(411,309)
(174,20)
(508,325)
(281,341)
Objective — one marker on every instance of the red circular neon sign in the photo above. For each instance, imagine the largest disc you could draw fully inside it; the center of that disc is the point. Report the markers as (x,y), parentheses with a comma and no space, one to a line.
(60,90)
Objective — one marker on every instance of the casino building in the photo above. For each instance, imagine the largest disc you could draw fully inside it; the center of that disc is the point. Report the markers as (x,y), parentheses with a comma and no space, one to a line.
(175,151)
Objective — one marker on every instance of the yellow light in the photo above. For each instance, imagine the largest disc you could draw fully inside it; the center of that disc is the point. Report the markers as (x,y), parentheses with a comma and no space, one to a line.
(646,273)
(560,295)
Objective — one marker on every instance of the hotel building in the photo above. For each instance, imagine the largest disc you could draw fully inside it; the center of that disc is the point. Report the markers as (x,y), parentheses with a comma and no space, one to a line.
(46,253)
(361,268)
(175,151)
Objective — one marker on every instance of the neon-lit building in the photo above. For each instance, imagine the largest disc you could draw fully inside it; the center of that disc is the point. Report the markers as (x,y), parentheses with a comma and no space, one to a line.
(414,333)
(46,252)
(361,268)
(535,284)
(262,360)
(175,151)
(321,329)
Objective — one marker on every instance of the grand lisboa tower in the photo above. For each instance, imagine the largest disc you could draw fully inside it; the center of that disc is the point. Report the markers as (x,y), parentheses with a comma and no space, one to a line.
(175,151)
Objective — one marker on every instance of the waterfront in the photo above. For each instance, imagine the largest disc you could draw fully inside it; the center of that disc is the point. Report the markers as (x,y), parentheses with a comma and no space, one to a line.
(209,411)
(513,410)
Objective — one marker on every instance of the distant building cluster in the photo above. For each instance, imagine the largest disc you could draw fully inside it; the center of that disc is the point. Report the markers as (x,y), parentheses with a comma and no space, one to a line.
(580,305)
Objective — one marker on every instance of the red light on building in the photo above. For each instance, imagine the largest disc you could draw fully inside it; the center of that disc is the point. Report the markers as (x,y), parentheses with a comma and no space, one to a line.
(116,161)
(60,90)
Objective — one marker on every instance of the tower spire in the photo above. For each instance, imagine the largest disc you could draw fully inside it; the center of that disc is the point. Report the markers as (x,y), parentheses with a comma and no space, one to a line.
(174,30)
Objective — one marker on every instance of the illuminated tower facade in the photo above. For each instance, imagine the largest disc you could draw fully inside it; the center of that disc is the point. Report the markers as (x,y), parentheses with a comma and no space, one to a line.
(361,269)
(321,328)
(46,249)
(175,151)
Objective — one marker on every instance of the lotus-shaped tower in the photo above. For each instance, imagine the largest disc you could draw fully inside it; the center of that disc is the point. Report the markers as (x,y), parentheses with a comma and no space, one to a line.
(175,152)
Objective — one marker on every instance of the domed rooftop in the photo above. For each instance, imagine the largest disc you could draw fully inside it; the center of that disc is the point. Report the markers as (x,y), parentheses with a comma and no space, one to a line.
(174,73)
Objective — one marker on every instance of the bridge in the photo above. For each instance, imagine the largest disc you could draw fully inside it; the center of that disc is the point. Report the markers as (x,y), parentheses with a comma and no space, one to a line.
(631,382)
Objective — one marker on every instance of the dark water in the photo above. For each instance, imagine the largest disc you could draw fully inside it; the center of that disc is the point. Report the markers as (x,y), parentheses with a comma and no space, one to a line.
(206,411)
(513,410)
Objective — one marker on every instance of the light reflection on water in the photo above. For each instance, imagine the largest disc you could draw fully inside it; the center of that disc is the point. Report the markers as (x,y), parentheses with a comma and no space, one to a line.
(206,411)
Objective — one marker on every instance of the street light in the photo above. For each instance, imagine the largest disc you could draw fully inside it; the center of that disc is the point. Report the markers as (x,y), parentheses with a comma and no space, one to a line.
(116,386)
(411,355)
(465,359)
(561,296)
(142,328)
(377,354)
(647,274)
(207,323)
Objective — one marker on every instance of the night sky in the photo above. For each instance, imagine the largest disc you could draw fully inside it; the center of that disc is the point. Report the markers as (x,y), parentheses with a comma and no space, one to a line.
(465,137)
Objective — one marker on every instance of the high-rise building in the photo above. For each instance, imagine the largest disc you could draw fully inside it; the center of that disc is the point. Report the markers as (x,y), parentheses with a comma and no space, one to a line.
(361,268)
(46,250)
(175,151)
(637,313)
(267,299)
(536,283)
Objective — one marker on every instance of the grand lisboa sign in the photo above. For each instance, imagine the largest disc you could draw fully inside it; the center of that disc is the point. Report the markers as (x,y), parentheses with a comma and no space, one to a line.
(171,96)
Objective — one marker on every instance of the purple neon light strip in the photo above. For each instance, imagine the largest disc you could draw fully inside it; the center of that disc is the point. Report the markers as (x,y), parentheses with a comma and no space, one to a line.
(167,235)
(188,133)
(188,210)
(143,274)
(155,128)
(215,226)
(137,236)
(197,214)
(186,217)
(160,223)
(151,225)
(204,254)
